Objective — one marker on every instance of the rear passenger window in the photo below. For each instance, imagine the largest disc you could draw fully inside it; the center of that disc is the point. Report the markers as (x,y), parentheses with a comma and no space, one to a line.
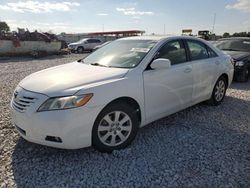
(197,50)
(174,51)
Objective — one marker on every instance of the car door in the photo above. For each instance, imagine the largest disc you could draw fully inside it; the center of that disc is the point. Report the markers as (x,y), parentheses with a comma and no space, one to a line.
(204,61)
(89,44)
(168,90)
(96,43)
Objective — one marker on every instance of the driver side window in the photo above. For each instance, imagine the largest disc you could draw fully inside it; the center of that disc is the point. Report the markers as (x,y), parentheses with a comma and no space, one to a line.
(174,51)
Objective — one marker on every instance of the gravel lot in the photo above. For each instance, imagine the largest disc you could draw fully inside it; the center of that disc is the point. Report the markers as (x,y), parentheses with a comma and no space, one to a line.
(202,146)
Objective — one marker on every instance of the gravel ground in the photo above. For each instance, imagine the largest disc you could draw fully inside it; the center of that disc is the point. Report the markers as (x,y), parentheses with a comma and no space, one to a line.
(202,146)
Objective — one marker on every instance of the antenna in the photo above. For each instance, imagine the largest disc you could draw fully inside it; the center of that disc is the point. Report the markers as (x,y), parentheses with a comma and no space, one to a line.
(214,23)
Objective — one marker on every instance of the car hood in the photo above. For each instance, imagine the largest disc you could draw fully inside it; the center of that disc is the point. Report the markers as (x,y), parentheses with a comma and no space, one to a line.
(73,44)
(238,55)
(69,78)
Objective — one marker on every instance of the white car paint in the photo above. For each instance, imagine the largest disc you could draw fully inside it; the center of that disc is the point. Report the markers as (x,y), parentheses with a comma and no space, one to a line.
(158,92)
(66,79)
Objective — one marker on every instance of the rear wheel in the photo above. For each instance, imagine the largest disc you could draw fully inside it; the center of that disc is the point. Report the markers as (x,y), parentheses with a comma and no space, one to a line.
(219,91)
(115,128)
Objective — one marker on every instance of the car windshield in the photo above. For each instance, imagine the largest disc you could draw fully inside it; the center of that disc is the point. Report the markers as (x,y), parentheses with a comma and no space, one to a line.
(234,45)
(120,53)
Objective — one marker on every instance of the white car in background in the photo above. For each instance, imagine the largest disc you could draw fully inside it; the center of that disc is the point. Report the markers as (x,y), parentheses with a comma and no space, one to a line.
(87,44)
(103,99)
(101,45)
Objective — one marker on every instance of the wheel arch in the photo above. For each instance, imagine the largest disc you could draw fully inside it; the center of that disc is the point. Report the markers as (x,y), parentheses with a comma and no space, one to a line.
(131,102)
(224,75)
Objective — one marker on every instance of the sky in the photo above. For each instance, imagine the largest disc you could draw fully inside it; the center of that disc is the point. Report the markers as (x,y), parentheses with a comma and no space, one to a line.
(152,16)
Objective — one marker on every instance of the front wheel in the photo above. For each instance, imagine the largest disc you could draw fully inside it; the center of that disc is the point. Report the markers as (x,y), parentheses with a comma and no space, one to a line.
(219,91)
(115,128)
(80,49)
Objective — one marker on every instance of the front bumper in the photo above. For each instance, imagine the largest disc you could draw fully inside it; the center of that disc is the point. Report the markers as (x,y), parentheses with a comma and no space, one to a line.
(72,126)
(72,48)
(238,72)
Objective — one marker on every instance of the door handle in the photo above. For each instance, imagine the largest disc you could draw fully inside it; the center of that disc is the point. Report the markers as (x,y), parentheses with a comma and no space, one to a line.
(187,70)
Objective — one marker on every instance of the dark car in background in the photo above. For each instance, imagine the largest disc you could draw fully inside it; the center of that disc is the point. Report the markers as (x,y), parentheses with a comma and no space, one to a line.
(239,49)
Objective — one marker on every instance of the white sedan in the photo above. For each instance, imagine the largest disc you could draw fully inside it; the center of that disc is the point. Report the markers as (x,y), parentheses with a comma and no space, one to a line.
(102,100)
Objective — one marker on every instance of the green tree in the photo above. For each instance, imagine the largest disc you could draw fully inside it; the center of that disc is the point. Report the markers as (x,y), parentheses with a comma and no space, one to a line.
(4,27)
(241,34)
(226,35)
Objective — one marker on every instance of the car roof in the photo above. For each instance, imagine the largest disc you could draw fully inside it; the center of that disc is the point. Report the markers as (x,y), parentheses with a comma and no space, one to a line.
(89,38)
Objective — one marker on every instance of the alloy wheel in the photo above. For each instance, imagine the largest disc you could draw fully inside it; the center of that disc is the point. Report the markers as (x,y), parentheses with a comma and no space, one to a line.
(114,128)
(220,90)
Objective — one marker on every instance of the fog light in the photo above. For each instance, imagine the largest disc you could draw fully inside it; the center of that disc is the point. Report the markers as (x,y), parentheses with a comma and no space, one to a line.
(53,139)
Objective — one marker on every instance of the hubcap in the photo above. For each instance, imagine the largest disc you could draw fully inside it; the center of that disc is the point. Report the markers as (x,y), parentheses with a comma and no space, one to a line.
(80,50)
(114,128)
(220,90)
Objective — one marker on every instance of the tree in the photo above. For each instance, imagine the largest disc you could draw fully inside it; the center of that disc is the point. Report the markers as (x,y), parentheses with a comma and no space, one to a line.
(4,27)
(226,35)
(241,34)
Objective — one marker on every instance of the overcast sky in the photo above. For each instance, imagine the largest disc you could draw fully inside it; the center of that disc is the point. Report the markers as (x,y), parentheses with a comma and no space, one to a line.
(80,16)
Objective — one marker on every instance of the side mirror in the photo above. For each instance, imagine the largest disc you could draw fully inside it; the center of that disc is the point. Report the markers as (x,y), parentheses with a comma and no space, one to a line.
(160,64)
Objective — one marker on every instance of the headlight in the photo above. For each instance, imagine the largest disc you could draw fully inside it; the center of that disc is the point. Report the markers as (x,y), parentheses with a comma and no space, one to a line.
(61,103)
(239,63)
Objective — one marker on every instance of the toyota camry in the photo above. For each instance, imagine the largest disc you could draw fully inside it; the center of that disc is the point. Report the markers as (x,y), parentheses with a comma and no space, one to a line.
(103,99)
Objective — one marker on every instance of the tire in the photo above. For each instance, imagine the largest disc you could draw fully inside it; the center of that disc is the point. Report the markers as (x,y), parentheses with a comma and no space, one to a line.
(80,49)
(115,127)
(219,92)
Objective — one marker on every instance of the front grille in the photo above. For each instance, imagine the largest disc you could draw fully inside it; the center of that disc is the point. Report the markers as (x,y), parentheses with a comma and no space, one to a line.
(21,102)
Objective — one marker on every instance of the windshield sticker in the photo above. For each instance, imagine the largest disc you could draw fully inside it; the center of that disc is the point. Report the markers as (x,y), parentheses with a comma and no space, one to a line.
(246,42)
(144,50)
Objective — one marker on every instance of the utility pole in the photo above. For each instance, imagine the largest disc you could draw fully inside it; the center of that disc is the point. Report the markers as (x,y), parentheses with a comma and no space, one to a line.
(214,23)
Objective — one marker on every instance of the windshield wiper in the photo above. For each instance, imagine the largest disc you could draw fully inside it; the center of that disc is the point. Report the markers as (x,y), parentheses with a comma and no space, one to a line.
(98,64)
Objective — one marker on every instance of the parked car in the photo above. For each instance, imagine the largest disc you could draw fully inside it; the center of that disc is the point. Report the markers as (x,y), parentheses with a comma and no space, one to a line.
(239,49)
(103,99)
(84,44)
(101,45)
